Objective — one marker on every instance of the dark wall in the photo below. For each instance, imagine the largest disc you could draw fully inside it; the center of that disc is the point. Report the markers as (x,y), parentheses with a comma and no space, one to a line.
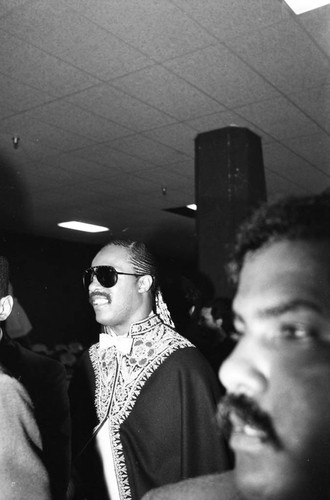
(47,280)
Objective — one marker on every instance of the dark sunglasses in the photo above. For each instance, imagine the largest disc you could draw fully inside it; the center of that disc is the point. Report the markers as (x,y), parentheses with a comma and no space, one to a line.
(107,276)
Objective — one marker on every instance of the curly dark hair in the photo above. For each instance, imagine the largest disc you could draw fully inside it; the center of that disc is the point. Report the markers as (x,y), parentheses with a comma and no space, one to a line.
(291,218)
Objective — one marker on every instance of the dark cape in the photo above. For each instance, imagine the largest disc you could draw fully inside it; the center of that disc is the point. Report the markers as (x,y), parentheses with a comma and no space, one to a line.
(167,430)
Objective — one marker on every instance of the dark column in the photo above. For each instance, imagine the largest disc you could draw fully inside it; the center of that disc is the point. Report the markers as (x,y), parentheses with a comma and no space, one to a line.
(230,181)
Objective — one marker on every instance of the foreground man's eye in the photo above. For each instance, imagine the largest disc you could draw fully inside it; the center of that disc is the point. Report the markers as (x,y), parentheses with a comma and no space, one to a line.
(297,331)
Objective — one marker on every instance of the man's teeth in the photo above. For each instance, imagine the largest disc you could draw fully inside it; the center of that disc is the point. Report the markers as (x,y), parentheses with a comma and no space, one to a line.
(242,427)
(98,301)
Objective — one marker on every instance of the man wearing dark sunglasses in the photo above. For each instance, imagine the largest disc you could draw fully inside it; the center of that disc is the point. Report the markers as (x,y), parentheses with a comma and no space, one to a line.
(143,398)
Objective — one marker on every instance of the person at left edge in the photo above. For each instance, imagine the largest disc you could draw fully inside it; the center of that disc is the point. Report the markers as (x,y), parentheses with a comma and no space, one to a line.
(44,379)
(143,398)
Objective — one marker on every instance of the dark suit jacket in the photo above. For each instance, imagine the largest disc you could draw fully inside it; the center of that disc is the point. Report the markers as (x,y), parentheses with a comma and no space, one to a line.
(45,381)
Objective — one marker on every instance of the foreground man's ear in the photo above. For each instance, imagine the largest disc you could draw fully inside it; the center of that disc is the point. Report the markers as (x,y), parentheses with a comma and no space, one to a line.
(145,283)
(6,306)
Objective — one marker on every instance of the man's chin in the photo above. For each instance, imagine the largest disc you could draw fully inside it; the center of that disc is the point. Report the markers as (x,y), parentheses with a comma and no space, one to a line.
(250,483)
(102,316)
(269,477)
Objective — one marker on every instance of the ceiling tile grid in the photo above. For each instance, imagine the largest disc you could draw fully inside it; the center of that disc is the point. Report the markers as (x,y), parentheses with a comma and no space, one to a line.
(155,27)
(107,98)
(79,42)
(31,66)
(117,106)
(284,55)
(167,92)
(222,75)
(234,18)
(146,149)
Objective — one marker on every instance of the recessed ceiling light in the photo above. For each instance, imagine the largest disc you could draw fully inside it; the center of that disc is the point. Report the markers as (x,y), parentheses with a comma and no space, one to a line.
(83,226)
(192,206)
(301,6)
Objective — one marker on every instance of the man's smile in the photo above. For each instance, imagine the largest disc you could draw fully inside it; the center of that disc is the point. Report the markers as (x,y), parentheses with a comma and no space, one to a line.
(246,424)
(246,436)
(99,299)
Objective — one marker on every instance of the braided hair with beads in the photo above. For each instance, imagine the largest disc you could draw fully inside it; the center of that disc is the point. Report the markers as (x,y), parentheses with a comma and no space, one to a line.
(144,263)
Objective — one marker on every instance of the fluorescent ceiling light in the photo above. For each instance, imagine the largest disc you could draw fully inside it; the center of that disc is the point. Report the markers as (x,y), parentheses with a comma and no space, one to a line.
(83,226)
(192,206)
(301,6)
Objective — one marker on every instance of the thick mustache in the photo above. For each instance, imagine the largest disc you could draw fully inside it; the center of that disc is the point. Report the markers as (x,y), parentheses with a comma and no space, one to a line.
(97,293)
(249,412)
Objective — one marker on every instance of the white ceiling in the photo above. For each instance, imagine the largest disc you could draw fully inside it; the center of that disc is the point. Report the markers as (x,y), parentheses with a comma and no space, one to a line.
(107,97)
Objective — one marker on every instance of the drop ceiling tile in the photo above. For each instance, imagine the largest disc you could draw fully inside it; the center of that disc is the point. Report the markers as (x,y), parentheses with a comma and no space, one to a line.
(133,184)
(5,111)
(317,23)
(36,135)
(168,179)
(41,177)
(167,92)
(292,63)
(148,150)
(289,166)
(31,66)
(79,41)
(155,27)
(83,168)
(117,106)
(185,168)
(76,120)
(222,75)
(278,187)
(287,121)
(113,159)
(231,18)
(178,136)
(108,195)
(315,102)
(60,196)
(6,7)
(314,148)
(19,97)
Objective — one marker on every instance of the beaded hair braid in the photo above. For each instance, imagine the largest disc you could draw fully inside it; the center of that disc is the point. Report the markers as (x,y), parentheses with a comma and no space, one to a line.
(144,263)
(4,276)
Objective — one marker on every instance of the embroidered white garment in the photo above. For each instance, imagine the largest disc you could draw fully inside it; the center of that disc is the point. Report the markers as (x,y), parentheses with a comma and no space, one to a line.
(109,471)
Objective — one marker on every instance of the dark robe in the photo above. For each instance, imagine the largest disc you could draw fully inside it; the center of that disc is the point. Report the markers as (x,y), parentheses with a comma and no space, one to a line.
(164,429)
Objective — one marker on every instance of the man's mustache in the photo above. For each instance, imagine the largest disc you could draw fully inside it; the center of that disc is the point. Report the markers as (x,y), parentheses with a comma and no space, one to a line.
(248,412)
(96,293)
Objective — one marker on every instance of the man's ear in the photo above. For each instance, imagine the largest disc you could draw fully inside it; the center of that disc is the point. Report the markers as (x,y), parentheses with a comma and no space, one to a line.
(6,305)
(145,283)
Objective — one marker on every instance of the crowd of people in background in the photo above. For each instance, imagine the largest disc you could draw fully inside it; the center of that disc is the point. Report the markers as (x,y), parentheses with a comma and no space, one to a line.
(142,413)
